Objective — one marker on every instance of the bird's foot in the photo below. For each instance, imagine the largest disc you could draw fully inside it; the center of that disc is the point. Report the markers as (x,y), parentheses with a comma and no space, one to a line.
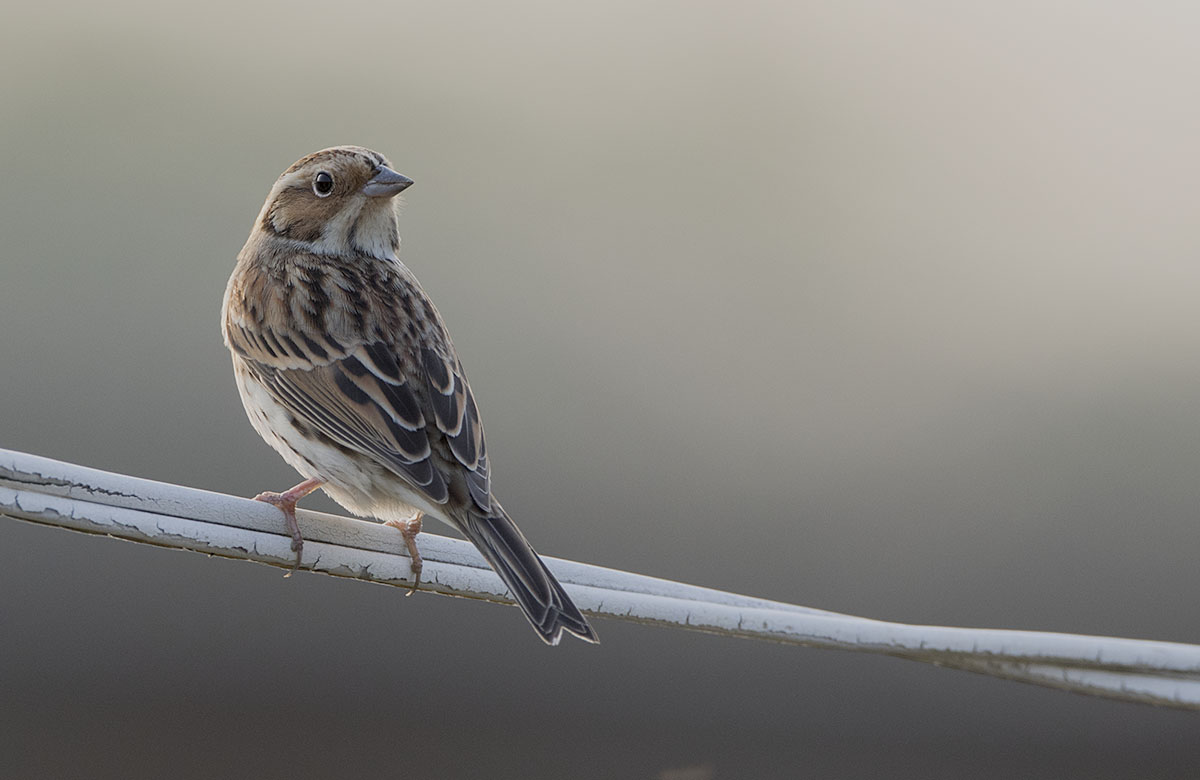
(286,501)
(409,529)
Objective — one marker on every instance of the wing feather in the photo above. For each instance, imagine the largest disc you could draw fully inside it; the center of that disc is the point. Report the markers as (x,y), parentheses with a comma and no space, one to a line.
(457,417)
(331,400)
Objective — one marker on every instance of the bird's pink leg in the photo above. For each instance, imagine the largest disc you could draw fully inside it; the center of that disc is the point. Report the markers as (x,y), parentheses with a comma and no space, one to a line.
(286,501)
(409,529)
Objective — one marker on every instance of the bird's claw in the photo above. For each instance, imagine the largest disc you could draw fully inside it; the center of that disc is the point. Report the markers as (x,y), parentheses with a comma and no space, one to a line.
(287,504)
(409,530)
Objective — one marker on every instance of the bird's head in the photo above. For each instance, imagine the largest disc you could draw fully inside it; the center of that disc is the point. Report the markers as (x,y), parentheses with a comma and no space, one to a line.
(337,201)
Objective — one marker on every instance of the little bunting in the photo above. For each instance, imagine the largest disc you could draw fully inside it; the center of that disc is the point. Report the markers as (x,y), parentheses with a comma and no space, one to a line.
(345,367)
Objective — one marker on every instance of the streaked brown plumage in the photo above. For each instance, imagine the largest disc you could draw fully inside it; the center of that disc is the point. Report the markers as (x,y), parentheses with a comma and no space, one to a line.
(346,369)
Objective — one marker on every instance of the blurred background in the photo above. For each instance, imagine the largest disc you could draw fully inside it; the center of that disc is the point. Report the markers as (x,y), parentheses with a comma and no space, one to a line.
(889,309)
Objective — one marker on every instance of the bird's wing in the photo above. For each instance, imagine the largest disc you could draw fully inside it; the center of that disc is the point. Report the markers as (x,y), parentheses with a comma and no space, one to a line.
(457,417)
(369,399)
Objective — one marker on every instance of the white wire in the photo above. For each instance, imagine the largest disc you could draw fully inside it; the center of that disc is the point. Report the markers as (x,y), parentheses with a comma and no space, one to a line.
(50,492)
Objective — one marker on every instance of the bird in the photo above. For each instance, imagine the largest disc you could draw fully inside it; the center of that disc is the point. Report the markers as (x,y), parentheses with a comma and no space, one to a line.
(345,367)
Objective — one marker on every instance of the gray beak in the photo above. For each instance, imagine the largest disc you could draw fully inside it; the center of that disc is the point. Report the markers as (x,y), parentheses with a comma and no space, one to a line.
(386,183)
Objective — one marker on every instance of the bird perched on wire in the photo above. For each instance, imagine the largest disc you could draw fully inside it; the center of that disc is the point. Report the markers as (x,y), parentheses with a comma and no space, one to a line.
(345,367)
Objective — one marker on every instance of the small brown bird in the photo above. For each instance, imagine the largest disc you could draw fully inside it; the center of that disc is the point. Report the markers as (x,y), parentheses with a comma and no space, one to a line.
(346,369)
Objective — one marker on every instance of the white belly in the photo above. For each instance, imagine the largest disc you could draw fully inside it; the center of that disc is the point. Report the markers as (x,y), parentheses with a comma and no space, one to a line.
(360,484)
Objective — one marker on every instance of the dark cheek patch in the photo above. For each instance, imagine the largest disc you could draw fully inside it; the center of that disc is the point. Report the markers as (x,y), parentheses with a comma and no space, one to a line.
(305,231)
(297,214)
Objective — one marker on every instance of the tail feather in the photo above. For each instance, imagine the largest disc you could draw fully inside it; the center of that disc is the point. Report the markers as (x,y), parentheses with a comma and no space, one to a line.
(540,596)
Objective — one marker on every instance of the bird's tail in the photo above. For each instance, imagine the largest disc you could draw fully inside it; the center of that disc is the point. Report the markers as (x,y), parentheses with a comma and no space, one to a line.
(544,602)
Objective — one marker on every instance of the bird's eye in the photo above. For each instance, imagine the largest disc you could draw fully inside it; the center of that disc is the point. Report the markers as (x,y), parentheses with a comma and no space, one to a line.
(322,184)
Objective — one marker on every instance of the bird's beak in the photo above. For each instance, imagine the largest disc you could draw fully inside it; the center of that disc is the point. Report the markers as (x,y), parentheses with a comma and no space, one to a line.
(386,183)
